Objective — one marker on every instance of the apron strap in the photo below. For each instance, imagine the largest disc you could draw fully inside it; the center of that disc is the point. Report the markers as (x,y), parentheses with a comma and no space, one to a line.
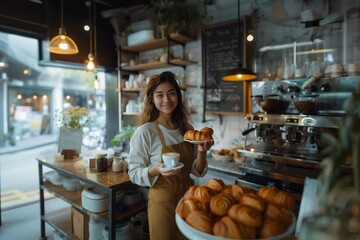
(162,139)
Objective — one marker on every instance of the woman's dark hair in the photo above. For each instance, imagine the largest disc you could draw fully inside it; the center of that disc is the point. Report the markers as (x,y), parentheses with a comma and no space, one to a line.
(150,113)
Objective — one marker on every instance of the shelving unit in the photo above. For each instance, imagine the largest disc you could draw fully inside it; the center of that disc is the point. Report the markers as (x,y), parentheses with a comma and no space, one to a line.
(109,182)
(171,40)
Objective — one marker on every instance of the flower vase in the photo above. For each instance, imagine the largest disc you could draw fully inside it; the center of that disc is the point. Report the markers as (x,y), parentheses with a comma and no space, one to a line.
(70,139)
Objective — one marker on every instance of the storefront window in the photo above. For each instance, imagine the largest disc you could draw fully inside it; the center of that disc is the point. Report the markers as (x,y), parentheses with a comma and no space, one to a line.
(33,93)
(29,112)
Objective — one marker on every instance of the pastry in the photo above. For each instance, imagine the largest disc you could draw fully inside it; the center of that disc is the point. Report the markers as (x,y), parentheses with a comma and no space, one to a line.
(195,135)
(203,206)
(253,200)
(204,194)
(273,195)
(268,193)
(238,191)
(190,192)
(221,203)
(227,228)
(246,215)
(201,221)
(278,212)
(208,130)
(184,208)
(271,227)
(216,184)
(284,199)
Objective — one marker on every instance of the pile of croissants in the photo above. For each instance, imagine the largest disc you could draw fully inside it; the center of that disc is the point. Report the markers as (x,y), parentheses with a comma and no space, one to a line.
(236,211)
(203,134)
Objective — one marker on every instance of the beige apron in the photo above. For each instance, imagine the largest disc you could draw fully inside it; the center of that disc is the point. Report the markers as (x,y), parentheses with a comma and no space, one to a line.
(166,193)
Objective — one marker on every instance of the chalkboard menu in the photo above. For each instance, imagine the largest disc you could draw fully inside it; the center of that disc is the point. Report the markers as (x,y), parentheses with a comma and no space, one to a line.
(222,53)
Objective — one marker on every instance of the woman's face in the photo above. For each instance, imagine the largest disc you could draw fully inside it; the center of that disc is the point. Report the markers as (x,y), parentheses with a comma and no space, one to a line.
(165,98)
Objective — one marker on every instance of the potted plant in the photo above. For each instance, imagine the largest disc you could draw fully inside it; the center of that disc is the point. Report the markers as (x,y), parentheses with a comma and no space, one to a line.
(338,194)
(174,16)
(71,122)
(121,140)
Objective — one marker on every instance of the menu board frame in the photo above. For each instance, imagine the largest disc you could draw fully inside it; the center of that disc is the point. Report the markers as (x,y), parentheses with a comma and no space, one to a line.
(221,44)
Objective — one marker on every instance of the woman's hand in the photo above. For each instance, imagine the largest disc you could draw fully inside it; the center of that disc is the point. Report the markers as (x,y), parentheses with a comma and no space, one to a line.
(204,147)
(165,171)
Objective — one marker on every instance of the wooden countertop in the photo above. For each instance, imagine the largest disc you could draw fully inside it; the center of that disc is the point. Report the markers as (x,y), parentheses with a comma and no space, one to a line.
(79,167)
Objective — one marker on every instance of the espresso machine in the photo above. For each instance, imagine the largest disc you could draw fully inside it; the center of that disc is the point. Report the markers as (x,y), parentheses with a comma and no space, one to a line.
(282,144)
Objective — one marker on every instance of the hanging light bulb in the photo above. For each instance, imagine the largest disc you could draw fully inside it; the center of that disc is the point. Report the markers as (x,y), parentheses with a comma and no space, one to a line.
(96,82)
(250,37)
(62,44)
(90,63)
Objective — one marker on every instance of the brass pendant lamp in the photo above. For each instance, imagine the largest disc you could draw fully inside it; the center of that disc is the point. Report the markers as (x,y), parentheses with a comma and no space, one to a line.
(62,44)
(90,62)
(239,73)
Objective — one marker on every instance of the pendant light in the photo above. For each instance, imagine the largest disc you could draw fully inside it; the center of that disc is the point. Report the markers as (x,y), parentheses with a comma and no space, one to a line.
(90,62)
(239,73)
(62,44)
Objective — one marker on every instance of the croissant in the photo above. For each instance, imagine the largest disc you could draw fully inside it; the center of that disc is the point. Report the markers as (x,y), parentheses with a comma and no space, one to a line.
(208,130)
(279,213)
(284,199)
(270,228)
(184,208)
(237,191)
(273,195)
(246,215)
(227,228)
(200,220)
(221,203)
(190,192)
(216,184)
(195,135)
(204,194)
(268,194)
(253,200)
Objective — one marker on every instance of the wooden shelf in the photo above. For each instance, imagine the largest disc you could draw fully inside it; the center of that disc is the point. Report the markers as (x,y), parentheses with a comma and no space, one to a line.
(157,43)
(156,65)
(133,89)
(74,199)
(223,113)
(182,87)
(61,221)
(130,114)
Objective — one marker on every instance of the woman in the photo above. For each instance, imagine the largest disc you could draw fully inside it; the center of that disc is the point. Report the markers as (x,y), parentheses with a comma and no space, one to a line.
(161,127)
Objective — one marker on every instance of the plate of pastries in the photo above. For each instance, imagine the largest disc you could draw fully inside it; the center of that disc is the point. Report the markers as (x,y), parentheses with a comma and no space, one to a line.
(222,155)
(220,211)
(199,136)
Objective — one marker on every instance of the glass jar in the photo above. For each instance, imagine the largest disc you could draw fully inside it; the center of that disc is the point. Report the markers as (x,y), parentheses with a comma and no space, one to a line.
(117,165)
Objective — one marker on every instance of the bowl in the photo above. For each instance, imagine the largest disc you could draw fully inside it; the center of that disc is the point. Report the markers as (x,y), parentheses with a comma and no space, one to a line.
(193,233)
(306,104)
(272,103)
(221,157)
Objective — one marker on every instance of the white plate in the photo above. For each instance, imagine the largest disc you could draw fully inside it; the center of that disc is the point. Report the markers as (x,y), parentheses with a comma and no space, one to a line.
(178,166)
(194,234)
(222,157)
(196,142)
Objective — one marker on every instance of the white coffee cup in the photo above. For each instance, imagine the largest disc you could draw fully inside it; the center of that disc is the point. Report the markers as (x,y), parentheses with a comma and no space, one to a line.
(171,159)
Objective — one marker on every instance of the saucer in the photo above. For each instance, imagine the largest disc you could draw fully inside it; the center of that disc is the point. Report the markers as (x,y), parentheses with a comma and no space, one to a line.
(195,142)
(178,166)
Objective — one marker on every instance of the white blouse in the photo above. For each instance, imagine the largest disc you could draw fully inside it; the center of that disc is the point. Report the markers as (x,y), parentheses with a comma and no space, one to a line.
(146,149)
